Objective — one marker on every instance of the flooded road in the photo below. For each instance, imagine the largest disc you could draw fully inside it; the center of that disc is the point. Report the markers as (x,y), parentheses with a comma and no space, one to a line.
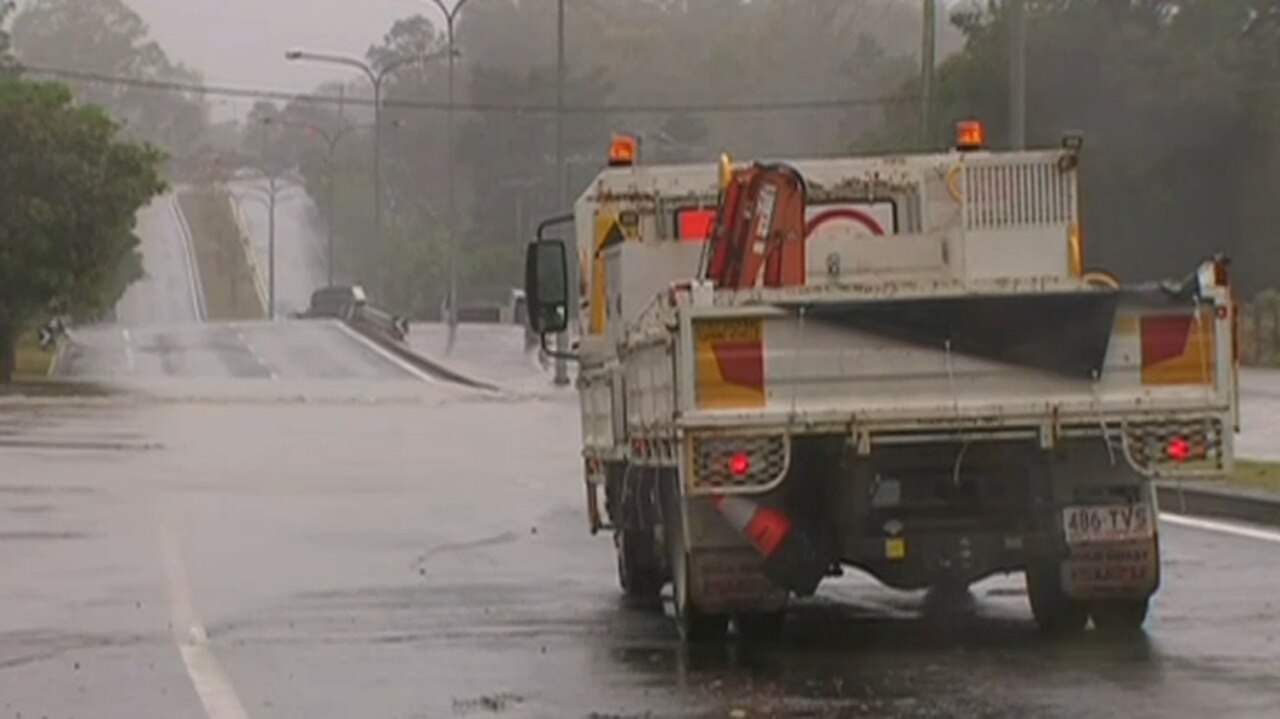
(236,548)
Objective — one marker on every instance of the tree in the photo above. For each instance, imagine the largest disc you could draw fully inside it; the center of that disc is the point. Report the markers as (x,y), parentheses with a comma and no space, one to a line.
(108,37)
(7,65)
(1172,96)
(71,191)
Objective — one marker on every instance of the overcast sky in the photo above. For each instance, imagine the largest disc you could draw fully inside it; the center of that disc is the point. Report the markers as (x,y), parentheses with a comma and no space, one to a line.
(242,42)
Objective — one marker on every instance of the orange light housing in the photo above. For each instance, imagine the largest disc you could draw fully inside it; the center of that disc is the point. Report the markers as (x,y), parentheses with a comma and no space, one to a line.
(622,151)
(969,135)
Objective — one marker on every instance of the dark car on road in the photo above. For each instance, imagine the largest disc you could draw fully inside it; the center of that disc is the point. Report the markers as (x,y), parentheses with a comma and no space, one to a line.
(338,302)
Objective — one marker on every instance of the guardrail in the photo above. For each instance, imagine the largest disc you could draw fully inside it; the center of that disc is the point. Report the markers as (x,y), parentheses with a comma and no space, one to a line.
(1196,498)
(389,331)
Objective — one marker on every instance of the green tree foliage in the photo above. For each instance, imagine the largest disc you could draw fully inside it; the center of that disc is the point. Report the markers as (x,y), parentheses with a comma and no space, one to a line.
(71,191)
(1177,103)
(107,37)
(7,65)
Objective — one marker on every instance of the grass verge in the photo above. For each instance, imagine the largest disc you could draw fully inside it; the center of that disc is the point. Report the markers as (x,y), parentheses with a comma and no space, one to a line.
(32,361)
(220,253)
(1261,475)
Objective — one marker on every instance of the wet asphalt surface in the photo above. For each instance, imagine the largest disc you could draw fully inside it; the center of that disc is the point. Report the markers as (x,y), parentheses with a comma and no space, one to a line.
(425,555)
(319,534)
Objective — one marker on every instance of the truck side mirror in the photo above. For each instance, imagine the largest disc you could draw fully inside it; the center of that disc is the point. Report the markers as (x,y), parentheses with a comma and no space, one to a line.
(546,281)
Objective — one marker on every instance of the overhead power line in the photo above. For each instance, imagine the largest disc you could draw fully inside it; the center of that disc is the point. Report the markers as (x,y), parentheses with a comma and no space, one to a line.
(490,107)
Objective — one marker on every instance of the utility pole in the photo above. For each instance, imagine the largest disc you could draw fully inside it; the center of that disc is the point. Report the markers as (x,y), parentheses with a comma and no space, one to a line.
(562,339)
(1018,74)
(451,215)
(928,60)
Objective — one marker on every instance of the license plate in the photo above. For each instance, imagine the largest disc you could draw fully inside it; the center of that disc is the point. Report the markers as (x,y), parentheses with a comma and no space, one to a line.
(1107,523)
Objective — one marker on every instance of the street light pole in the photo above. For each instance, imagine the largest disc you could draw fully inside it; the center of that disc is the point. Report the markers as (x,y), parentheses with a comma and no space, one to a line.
(562,339)
(928,60)
(376,78)
(450,18)
(1018,75)
(331,140)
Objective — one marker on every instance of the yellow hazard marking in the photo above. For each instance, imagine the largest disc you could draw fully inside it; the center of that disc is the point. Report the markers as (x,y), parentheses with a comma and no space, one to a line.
(895,548)
(607,232)
(729,364)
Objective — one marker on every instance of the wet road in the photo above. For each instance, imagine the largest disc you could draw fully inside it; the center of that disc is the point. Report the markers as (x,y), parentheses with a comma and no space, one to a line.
(425,556)
(166,294)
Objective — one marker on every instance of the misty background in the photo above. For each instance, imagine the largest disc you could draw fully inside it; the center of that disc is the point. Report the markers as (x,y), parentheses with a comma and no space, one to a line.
(1178,100)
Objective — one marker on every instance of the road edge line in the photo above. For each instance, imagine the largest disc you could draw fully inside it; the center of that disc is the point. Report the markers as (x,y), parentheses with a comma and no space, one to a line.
(210,682)
(387,354)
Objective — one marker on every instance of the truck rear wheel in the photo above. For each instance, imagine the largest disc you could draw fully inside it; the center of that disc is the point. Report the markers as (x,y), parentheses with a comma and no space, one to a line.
(1056,613)
(639,571)
(764,627)
(1119,616)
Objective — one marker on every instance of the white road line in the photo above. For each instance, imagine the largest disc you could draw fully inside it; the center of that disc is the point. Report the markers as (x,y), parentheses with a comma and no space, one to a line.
(256,356)
(129,360)
(386,354)
(216,694)
(189,253)
(1210,525)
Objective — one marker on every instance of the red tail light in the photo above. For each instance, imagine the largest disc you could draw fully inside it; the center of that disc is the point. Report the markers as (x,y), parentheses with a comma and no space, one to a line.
(1179,449)
(739,464)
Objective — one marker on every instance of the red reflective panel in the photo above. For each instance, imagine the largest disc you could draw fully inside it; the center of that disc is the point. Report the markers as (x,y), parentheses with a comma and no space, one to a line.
(1178,449)
(694,225)
(739,464)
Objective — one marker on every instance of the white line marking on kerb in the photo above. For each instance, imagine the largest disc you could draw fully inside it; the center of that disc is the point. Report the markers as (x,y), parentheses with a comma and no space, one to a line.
(189,253)
(386,354)
(1210,525)
(211,684)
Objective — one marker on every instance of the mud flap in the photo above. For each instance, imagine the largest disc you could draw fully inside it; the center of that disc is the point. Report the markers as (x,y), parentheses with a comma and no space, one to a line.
(1114,570)
(729,580)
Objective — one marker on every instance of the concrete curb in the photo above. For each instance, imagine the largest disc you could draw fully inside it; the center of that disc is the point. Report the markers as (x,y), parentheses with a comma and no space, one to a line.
(425,364)
(1215,500)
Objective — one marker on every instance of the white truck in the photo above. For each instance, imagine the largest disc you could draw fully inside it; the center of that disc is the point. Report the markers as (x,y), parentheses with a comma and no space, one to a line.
(897,364)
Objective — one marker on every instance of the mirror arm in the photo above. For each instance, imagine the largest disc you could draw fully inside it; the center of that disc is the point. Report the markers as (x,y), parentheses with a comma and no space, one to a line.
(553,354)
(552,222)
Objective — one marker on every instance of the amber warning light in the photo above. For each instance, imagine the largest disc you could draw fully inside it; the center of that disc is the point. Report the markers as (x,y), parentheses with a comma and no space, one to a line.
(969,135)
(622,151)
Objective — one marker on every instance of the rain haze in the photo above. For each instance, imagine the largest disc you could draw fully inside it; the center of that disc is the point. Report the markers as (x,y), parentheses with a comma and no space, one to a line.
(685,359)
(242,42)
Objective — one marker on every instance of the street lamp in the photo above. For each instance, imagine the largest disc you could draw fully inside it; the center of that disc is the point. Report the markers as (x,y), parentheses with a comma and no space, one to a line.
(376,77)
(331,139)
(273,179)
(450,17)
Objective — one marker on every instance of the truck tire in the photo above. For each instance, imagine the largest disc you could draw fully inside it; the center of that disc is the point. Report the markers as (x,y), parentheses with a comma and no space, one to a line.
(639,572)
(1056,613)
(760,627)
(1119,616)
